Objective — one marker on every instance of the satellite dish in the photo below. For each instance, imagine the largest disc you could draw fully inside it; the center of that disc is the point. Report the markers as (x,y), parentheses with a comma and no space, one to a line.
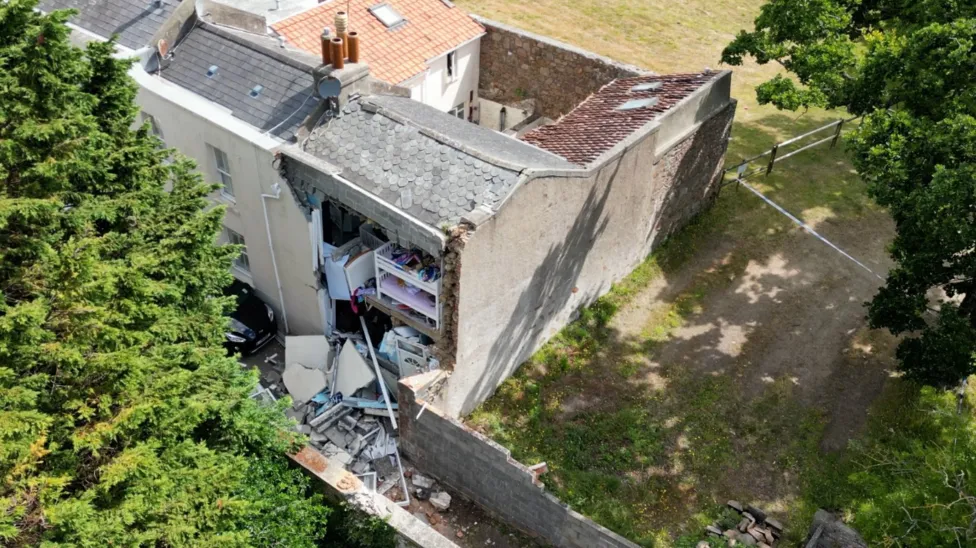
(162,47)
(329,87)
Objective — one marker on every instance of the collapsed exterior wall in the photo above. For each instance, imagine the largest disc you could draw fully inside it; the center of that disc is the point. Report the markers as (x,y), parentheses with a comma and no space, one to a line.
(486,474)
(516,65)
(582,234)
(339,485)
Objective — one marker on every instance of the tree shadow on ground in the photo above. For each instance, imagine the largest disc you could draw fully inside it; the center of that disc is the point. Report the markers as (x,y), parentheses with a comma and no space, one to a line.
(553,284)
(726,377)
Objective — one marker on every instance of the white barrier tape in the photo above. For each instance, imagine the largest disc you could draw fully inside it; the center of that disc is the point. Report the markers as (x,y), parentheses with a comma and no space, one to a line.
(807,228)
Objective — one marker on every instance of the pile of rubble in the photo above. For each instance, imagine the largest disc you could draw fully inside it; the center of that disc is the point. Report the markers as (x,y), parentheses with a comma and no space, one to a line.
(345,405)
(755,528)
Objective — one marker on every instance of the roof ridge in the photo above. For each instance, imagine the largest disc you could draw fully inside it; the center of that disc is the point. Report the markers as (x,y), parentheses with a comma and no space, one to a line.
(437,136)
(258,48)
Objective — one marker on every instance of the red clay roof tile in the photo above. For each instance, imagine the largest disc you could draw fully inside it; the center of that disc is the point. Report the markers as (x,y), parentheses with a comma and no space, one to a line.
(595,125)
(396,54)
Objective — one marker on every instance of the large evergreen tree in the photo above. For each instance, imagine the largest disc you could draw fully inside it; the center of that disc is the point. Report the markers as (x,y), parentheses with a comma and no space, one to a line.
(122,422)
(909,67)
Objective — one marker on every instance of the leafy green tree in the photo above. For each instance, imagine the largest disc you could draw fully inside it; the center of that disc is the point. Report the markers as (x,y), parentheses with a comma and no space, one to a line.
(912,480)
(122,421)
(909,68)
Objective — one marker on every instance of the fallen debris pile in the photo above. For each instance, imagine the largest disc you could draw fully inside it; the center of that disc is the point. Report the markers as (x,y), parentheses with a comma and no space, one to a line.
(754,529)
(344,404)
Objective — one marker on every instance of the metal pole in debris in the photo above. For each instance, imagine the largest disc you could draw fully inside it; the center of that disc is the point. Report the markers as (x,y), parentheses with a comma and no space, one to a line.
(379,374)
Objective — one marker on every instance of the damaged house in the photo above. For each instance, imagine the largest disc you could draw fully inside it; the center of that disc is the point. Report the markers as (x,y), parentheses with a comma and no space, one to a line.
(509,237)
(446,253)
(427,212)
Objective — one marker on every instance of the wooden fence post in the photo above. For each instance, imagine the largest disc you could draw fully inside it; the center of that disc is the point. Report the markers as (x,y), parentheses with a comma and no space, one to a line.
(840,124)
(772,159)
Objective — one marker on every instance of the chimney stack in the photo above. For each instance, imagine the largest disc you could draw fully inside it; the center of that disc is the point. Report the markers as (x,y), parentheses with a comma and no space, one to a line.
(341,24)
(353,46)
(326,48)
(338,61)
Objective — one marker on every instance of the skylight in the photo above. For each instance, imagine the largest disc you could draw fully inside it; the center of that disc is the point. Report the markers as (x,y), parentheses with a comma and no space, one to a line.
(635,104)
(651,86)
(387,15)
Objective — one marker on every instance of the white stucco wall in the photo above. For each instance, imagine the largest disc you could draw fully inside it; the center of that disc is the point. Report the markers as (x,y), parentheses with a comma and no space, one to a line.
(189,123)
(559,242)
(432,87)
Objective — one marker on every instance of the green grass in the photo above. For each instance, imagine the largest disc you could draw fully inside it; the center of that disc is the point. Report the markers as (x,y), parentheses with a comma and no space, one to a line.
(646,463)
(656,463)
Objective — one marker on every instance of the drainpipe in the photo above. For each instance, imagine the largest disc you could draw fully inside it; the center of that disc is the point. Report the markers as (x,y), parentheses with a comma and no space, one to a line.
(274,264)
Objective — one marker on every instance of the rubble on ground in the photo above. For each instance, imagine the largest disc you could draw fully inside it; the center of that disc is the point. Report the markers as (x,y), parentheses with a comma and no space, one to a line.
(754,529)
(343,399)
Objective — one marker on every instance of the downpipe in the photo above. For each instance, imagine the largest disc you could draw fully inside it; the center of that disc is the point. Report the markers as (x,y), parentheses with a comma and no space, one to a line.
(276,188)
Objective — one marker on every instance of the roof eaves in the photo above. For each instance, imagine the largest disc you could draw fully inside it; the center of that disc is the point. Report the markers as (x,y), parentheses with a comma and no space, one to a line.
(456,47)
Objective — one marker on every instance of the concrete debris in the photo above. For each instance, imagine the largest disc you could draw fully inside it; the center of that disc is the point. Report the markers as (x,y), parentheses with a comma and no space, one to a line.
(292,414)
(318,438)
(360,467)
(440,500)
(303,383)
(354,373)
(422,481)
(312,351)
(386,486)
(754,529)
(346,406)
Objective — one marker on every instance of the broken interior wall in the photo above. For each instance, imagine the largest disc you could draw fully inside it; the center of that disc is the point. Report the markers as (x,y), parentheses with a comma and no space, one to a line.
(309,176)
(485,473)
(446,348)
(517,65)
(340,485)
(559,242)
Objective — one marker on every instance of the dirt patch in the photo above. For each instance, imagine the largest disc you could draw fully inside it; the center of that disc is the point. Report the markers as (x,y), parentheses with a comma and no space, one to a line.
(727,376)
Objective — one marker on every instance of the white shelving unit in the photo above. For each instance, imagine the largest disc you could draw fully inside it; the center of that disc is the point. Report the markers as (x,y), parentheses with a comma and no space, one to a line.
(389,275)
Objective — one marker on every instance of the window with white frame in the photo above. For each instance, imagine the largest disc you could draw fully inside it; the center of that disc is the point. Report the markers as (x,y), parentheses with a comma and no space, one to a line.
(241,262)
(450,74)
(457,111)
(387,15)
(223,171)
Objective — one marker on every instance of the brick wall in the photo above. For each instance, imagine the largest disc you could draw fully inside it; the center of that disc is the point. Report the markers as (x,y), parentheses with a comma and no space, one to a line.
(517,65)
(339,485)
(485,473)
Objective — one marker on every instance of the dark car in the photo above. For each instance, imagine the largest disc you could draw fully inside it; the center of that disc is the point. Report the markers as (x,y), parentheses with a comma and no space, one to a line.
(252,324)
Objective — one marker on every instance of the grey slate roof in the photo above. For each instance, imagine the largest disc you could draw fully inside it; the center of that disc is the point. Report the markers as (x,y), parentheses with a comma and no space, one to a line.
(481,140)
(287,95)
(135,21)
(385,157)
